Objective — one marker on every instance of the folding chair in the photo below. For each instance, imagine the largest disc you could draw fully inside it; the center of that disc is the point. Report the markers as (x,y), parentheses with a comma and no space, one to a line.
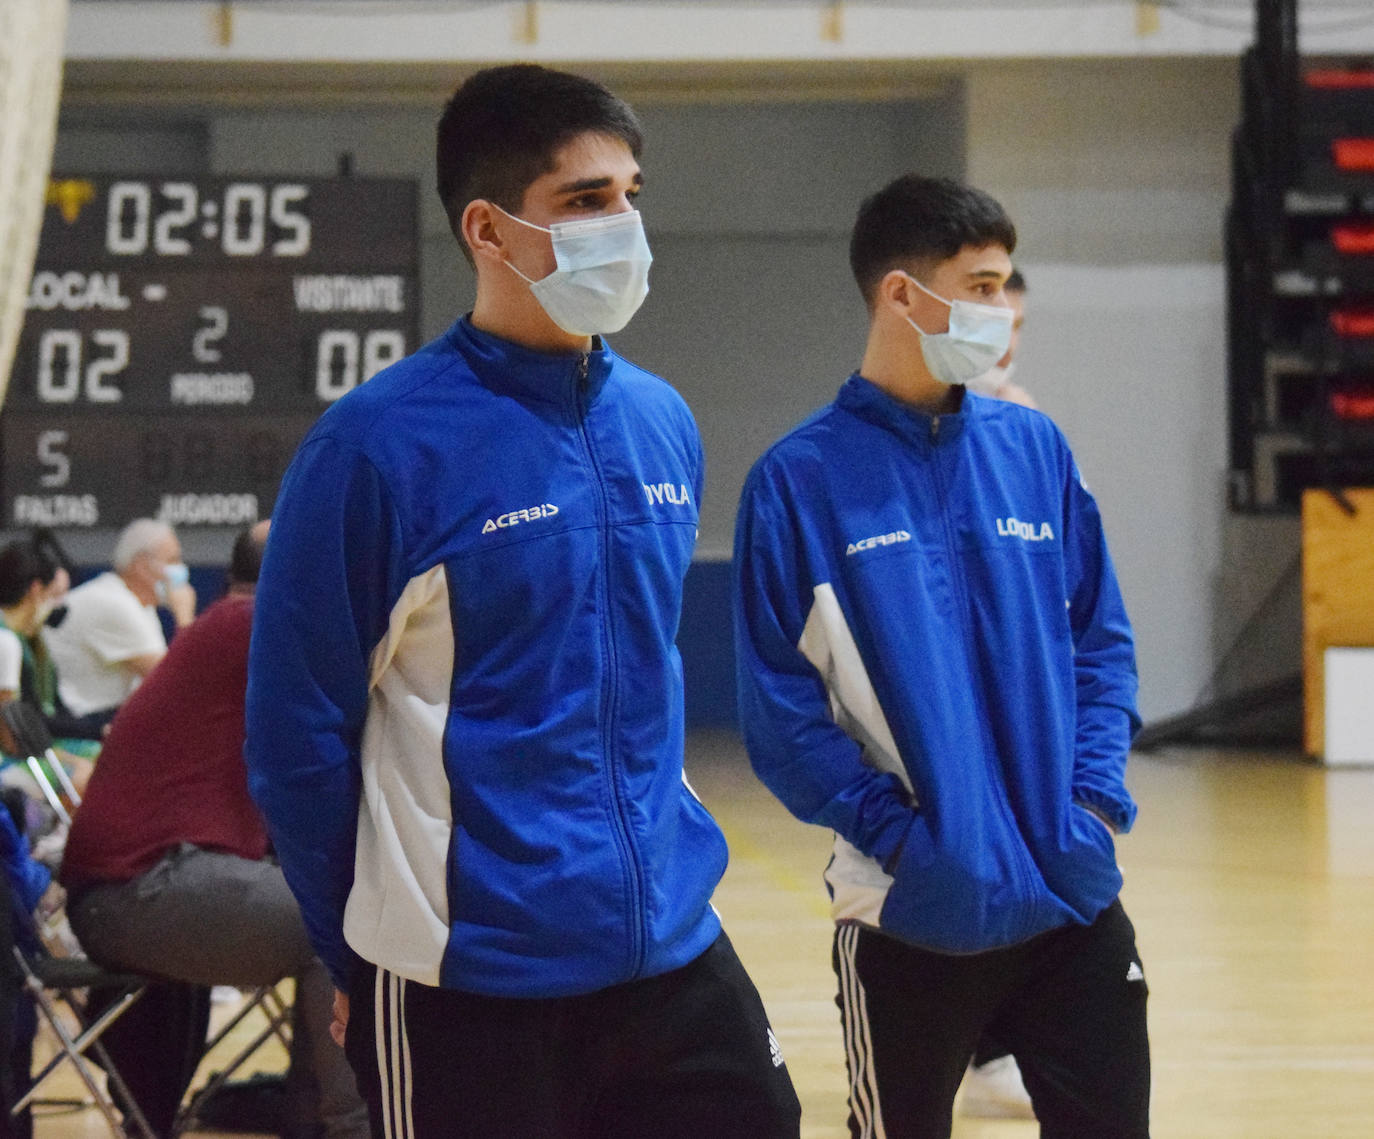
(278,1014)
(32,739)
(49,974)
(55,981)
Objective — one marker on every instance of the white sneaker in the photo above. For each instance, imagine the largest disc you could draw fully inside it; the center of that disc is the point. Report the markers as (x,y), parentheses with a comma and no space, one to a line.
(995,1091)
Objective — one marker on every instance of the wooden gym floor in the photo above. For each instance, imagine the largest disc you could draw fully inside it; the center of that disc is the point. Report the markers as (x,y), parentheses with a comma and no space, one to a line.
(1250,879)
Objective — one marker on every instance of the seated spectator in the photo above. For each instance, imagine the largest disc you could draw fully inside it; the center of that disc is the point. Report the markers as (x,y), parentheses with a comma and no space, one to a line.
(111,637)
(32,582)
(167,871)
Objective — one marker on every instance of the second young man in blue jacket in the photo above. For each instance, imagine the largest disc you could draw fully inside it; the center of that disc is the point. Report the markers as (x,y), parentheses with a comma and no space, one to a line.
(935,662)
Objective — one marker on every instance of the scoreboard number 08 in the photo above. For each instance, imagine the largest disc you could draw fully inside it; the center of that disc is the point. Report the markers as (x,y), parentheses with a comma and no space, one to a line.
(344,358)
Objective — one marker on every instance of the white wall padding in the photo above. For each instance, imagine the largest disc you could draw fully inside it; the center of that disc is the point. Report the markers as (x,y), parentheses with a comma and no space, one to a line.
(32,33)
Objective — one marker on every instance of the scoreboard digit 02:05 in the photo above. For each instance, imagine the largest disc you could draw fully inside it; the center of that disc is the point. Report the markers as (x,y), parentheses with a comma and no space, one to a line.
(181,336)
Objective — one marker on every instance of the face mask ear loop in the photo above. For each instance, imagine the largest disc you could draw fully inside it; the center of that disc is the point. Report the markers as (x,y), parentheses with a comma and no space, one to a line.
(923,289)
(509,264)
(909,277)
(522,221)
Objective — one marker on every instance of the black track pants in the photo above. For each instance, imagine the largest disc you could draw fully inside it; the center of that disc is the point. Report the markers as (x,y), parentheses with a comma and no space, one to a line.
(688,1055)
(1069,1005)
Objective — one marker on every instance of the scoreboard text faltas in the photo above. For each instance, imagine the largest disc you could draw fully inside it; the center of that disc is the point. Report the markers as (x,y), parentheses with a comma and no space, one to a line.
(181,336)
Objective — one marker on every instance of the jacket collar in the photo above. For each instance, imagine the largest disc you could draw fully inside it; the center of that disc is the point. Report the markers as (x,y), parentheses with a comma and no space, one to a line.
(866,400)
(511,369)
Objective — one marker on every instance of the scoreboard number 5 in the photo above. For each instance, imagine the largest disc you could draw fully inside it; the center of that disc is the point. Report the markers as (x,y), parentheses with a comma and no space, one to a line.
(51,455)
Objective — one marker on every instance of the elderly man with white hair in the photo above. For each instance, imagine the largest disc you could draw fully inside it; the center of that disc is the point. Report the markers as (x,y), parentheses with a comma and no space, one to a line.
(111,637)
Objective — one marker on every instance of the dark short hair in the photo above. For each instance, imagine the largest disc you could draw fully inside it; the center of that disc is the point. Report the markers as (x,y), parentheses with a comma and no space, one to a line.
(245,562)
(919,222)
(21,564)
(1016,283)
(501,130)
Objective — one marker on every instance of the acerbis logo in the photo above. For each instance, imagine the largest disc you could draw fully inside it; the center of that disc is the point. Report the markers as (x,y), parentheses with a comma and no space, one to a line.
(877,540)
(516,517)
(1026,531)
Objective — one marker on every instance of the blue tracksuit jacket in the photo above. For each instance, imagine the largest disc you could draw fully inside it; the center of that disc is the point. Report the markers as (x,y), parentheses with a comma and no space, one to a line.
(464,701)
(27,880)
(935,662)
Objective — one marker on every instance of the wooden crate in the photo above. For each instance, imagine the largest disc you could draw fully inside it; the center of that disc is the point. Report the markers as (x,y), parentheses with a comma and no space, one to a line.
(1337,594)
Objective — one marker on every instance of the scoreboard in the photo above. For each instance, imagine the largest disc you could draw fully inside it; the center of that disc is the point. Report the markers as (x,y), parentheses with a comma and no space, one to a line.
(182,335)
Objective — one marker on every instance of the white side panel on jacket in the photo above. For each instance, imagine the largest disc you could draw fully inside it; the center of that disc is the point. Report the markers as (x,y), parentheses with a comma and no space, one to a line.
(858,885)
(397,915)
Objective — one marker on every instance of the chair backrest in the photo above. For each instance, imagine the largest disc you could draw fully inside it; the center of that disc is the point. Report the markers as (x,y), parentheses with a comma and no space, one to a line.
(27,726)
(30,738)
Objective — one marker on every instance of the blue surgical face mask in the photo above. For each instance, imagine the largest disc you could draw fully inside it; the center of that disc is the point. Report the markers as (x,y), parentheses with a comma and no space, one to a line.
(173,575)
(978,337)
(601,275)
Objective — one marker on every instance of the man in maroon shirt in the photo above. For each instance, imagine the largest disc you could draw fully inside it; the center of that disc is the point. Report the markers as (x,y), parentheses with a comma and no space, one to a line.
(167,872)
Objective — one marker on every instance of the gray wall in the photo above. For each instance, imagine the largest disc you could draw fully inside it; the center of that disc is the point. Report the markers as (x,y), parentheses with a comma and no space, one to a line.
(1118,176)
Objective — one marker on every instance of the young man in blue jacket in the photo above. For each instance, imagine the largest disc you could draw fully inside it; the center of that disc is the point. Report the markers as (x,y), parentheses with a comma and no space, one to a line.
(465,719)
(934,661)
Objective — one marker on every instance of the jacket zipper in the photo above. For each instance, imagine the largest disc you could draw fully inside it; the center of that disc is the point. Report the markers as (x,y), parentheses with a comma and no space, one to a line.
(956,578)
(621,829)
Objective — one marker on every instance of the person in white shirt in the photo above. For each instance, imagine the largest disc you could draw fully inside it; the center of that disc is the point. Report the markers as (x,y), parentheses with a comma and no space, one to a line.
(11,664)
(112,637)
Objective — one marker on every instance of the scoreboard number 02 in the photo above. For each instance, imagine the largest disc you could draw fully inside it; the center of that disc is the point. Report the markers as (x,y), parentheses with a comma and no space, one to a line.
(60,355)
